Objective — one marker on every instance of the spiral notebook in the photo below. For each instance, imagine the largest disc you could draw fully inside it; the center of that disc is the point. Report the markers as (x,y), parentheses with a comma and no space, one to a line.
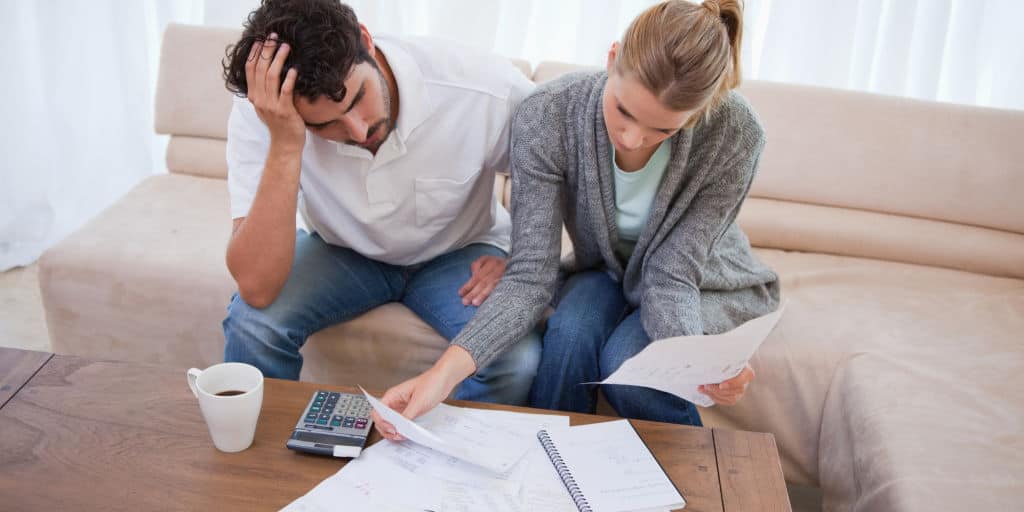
(606,467)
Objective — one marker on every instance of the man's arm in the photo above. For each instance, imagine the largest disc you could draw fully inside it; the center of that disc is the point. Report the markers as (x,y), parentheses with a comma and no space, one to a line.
(262,244)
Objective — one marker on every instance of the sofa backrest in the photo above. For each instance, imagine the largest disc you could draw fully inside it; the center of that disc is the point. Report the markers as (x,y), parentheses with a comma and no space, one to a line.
(192,104)
(843,173)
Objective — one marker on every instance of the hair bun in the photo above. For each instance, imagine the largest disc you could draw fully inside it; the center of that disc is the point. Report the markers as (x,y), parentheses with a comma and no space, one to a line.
(713,6)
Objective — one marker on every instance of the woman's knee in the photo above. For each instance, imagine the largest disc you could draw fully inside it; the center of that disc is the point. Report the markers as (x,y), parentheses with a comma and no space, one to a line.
(590,307)
(628,339)
(592,291)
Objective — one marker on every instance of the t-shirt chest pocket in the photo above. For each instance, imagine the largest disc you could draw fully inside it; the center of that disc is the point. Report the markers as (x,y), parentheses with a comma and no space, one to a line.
(439,201)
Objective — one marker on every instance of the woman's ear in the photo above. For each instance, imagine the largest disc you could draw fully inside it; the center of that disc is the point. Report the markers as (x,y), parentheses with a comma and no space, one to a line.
(612,52)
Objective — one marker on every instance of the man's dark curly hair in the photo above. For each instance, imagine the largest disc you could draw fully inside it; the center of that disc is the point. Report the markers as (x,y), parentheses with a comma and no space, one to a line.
(325,43)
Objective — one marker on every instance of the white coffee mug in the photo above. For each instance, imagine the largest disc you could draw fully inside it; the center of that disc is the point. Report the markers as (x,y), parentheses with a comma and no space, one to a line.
(230,396)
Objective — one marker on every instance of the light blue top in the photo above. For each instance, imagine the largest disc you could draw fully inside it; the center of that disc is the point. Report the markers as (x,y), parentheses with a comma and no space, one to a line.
(634,196)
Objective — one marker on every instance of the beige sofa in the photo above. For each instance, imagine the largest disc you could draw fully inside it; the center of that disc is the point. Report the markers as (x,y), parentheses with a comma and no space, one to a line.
(895,381)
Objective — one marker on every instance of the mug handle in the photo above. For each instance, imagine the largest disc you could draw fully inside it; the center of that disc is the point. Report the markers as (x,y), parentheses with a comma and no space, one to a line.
(192,374)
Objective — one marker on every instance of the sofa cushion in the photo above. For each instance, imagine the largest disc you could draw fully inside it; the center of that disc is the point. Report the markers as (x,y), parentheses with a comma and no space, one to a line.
(145,280)
(938,426)
(862,151)
(950,338)
(198,156)
(190,95)
(806,227)
(377,350)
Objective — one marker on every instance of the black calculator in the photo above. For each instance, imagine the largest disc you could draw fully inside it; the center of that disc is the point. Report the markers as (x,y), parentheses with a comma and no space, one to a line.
(333,424)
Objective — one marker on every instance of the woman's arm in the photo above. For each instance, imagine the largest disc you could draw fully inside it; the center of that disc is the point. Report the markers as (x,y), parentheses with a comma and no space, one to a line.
(518,301)
(670,301)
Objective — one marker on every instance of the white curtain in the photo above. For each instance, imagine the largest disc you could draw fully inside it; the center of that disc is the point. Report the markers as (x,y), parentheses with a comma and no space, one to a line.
(78,94)
(961,51)
(76,103)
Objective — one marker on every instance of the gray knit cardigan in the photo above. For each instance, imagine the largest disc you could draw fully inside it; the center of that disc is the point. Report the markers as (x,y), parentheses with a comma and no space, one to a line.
(692,270)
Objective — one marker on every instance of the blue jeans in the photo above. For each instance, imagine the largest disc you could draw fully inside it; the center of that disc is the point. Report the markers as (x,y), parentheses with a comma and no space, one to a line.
(330,284)
(591,333)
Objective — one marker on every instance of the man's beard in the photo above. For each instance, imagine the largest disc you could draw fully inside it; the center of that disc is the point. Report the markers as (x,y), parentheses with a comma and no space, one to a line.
(385,125)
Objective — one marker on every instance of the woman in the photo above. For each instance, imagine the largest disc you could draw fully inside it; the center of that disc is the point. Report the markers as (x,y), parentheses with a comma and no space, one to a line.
(647,164)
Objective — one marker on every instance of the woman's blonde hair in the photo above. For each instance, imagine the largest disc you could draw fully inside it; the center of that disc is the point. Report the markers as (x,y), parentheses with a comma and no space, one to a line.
(686,54)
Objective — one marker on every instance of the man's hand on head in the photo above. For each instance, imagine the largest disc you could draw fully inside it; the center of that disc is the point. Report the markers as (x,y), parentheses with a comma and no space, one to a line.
(272,99)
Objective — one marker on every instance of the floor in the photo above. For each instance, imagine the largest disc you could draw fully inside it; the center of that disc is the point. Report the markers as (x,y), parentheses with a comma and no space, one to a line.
(23,325)
(22,322)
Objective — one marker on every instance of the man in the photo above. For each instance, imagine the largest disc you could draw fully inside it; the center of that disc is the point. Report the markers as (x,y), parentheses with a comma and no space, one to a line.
(387,148)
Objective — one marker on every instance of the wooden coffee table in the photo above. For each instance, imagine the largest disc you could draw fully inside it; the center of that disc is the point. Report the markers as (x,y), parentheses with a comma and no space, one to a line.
(81,434)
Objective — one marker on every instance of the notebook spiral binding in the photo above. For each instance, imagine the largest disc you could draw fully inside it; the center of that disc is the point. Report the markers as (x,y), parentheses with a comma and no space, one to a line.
(563,472)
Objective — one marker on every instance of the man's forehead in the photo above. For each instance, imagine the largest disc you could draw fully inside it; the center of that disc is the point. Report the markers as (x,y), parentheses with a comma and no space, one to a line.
(319,111)
(324,109)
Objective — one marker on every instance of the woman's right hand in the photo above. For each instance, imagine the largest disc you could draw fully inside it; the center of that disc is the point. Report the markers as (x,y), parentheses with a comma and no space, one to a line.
(422,393)
(274,101)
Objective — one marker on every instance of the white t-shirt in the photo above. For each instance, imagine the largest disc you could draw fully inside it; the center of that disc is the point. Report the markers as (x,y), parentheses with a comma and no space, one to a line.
(430,188)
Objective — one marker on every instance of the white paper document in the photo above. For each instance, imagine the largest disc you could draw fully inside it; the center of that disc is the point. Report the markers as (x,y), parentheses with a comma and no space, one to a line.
(679,365)
(465,436)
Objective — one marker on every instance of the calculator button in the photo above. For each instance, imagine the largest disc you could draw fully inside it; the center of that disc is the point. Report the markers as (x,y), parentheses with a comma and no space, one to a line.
(335,423)
(321,421)
(311,417)
(361,423)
